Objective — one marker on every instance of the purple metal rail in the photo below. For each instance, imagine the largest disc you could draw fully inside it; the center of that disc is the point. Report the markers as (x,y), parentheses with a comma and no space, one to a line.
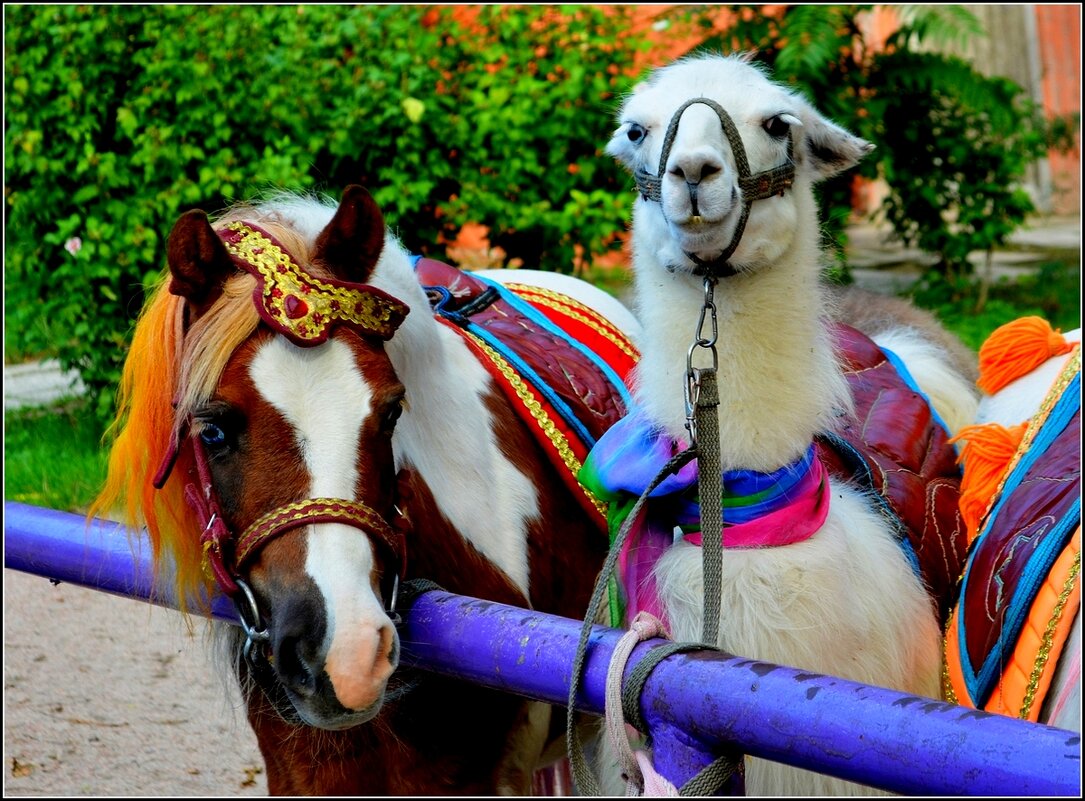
(695,703)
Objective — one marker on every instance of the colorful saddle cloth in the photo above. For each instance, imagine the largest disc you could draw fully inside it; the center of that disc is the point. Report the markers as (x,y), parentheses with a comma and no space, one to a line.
(562,365)
(893,446)
(1019,592)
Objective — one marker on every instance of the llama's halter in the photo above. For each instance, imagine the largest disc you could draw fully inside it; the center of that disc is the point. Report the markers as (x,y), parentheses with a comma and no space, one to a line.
(753,187)
(304,309)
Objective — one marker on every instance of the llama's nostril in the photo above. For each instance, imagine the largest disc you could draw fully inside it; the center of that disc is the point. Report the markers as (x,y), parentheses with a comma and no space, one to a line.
(678,173)
(709,170)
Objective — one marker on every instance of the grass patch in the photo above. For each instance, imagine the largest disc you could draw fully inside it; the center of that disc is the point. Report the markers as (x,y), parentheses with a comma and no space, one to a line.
(1052,292)
(53,456)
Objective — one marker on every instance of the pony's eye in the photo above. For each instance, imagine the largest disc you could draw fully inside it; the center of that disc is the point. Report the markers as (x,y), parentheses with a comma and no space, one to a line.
(219,427)
(776,127)
(391,416)
(636,132)
(212,435)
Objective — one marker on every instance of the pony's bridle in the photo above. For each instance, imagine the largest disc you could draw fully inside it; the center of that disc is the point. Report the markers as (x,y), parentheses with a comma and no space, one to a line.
(304,309)
(757,186)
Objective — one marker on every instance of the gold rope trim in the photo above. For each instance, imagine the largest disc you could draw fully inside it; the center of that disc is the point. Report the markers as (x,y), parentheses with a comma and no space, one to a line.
(539,414)
(947,682)
(1047,643)
(578,311)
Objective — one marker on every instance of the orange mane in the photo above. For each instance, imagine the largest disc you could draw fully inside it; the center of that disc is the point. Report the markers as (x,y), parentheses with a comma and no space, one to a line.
(167,366)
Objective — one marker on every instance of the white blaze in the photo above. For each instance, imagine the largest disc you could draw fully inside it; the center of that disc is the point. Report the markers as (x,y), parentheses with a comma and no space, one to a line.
(325,399)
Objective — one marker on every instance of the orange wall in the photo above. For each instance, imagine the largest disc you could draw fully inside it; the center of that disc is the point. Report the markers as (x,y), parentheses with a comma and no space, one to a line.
(1059,31)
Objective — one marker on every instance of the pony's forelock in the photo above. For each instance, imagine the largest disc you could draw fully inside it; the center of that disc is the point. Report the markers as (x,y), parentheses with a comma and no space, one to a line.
(170,373)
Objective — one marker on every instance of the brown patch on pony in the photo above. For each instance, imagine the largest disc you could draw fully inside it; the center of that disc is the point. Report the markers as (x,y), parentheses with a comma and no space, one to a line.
(446,557)
(372,760)
(350,245)
(565,548)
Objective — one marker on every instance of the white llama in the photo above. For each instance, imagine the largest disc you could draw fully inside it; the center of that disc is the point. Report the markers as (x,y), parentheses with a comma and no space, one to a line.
(843,601)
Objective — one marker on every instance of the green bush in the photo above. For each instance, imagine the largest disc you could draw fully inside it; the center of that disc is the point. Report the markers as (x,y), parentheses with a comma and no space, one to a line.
(119,118)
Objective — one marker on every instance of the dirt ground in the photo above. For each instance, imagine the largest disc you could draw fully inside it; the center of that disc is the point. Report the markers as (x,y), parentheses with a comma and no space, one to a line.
(109,696)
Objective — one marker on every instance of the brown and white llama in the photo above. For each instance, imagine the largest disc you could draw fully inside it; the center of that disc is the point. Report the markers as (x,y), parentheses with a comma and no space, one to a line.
(840,597)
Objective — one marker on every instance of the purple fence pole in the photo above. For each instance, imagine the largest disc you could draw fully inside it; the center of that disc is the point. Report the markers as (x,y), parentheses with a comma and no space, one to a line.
(695,703)
(105,555)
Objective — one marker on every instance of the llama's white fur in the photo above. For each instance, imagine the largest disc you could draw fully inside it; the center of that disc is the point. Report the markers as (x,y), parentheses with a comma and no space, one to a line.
(846,601)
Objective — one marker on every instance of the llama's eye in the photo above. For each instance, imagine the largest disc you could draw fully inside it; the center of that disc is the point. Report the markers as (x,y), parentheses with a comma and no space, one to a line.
(636,132)
(776,127)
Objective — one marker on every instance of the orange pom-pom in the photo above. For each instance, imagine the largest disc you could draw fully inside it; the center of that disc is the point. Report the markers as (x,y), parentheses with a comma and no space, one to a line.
(986,454)
(1017,348)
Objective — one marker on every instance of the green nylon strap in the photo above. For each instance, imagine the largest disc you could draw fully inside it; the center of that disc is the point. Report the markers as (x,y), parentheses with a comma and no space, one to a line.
(582,774)
(709,470)
(409,590)
(638,676)
(712,779)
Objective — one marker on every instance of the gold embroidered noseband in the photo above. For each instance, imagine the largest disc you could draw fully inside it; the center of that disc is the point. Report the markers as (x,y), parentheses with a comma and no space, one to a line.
(299,306)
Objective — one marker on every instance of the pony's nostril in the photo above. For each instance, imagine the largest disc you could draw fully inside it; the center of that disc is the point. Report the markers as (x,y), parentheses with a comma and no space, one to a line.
(293,660)
(392,648)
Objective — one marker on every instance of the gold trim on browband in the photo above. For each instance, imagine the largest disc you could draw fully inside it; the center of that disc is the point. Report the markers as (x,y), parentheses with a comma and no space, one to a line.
(301,307)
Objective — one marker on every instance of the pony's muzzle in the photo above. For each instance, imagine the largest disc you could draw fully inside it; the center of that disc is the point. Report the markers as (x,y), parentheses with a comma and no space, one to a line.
(360,663)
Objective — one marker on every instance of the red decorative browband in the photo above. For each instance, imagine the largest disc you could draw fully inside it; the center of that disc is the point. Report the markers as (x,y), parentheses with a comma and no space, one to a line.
(299,306)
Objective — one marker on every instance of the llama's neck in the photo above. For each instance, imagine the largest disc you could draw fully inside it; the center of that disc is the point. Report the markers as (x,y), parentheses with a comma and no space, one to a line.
(779,382)
(446,433)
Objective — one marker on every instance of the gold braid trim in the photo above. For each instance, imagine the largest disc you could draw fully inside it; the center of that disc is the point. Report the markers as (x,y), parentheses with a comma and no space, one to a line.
(1047,643)
(301,304)
(947,683)
(578,311)
(299,513)
(539,414)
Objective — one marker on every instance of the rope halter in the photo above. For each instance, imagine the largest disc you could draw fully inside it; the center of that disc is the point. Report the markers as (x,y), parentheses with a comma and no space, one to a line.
(753,187)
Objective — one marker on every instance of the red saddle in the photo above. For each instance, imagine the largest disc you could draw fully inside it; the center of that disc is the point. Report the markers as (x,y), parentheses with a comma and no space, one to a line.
(562,365)
(895,446)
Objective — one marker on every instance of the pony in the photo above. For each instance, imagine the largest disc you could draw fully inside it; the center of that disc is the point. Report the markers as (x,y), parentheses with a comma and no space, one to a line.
(291,393)
(727,266)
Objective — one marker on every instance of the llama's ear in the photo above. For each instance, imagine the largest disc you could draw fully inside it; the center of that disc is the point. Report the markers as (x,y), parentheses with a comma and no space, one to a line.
(350,245)
(199,263)
(825,148)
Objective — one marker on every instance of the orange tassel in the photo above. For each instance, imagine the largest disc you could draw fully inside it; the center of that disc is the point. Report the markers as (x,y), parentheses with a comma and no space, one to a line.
(986,454)
(1017,348)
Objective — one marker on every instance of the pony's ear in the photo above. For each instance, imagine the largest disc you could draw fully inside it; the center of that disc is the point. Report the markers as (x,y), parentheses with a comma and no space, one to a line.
(825,148)
(199,263)
(350,245)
